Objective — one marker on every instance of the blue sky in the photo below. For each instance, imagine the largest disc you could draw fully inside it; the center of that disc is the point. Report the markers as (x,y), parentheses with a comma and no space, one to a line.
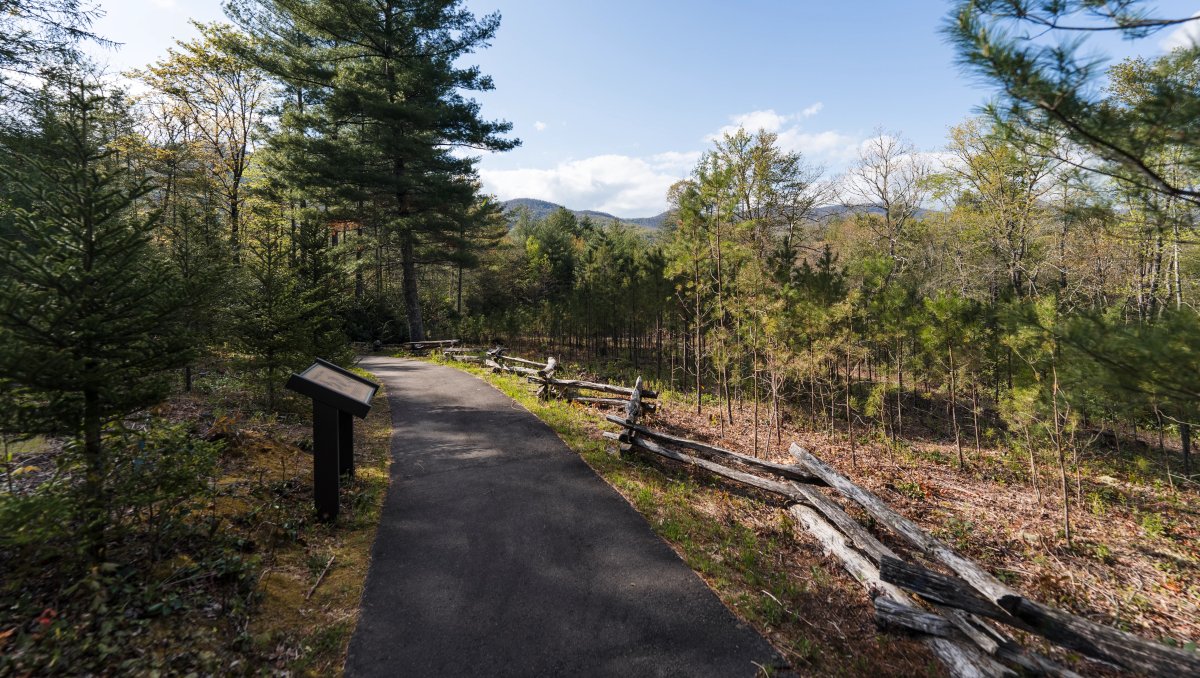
(614,100)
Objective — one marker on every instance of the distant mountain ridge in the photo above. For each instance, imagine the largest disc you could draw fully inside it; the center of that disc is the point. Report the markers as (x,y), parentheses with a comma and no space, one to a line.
(540,209)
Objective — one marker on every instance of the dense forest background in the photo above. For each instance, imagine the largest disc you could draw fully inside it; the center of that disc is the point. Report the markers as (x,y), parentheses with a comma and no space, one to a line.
(304,177)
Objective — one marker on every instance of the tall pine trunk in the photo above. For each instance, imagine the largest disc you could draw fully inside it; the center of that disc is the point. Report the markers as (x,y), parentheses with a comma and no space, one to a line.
(954,409)
(1062,461)
(95,514)
(412,298)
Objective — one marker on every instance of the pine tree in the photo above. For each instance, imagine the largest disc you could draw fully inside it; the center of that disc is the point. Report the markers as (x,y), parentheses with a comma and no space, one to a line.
(1034,53)
(274,323)
(39,36)
(383,114)
(90,312)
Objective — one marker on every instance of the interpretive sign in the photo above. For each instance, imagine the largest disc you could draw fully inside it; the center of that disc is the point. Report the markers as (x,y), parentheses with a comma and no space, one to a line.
(335,386)
(338,396)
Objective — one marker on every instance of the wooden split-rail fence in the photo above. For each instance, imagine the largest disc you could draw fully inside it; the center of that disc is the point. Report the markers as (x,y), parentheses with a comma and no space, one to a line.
(955,614)
(545,375)
(412,346)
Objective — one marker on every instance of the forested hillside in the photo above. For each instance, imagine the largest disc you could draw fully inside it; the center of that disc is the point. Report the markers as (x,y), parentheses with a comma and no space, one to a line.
(540,209)
(176,240)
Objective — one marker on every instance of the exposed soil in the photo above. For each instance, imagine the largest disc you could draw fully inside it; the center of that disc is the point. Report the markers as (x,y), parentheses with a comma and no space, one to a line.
(1134,561)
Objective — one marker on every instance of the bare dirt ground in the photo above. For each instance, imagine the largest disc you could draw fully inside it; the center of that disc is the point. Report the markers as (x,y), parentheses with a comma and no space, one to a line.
(1134,559)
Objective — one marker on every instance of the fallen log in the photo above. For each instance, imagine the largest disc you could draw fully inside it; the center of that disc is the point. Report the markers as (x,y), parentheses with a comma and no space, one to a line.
(836,544)
(431,343)
(961,660)
(986,638)
(943,590)
(1062,628)
(997,644)
(892,615)
(787,471)
(513,369)
(863,539)
(520,360)
(633,408)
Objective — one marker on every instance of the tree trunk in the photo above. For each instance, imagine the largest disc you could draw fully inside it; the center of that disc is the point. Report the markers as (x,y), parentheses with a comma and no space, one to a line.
(899,430)
(1033,470)
(458,302)
(1062,462)
(975,413)
(1185,440)
(412,298)
(754,366)
(697,348)
(95,514)
(850,416)
(954,409)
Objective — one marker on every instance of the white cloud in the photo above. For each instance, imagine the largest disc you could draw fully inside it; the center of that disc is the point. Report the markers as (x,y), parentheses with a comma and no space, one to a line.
(753,121)
(539,125)
(756,120)
(617,184)
(165,4)
(1185,36)
(677,162)
(830,148)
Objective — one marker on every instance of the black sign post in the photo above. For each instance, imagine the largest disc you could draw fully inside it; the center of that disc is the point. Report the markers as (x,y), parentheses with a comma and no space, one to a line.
(338,396)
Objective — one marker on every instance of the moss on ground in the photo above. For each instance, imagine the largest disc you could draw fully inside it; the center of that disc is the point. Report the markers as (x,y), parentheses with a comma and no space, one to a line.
(309,634)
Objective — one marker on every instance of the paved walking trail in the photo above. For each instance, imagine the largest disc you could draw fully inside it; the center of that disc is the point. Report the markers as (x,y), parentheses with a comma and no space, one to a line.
(500,553)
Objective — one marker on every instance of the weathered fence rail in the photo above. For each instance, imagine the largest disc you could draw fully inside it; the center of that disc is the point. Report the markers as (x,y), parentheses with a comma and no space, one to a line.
(544,375)
(430,344)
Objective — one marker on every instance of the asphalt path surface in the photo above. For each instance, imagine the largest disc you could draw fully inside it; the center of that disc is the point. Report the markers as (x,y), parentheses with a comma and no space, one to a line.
(501,553)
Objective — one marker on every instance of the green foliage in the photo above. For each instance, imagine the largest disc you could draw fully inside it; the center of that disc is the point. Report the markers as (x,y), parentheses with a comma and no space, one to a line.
(90,311)
(164,558)
(1152,524)
(88,303)
(38,37)
(1047,85)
